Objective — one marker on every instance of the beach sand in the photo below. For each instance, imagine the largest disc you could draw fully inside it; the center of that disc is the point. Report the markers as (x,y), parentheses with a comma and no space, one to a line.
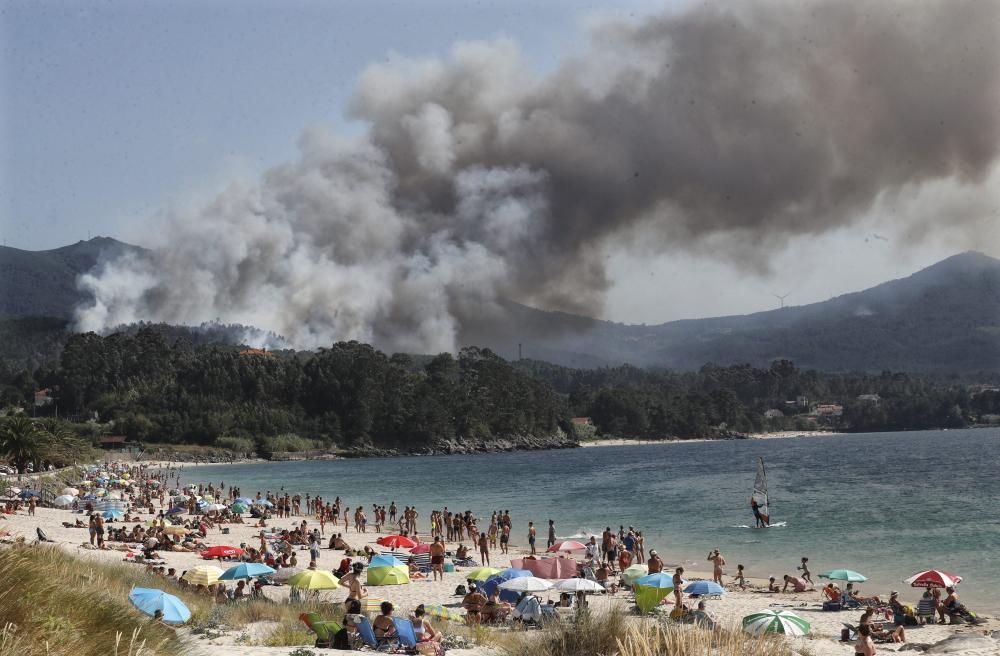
(734,605)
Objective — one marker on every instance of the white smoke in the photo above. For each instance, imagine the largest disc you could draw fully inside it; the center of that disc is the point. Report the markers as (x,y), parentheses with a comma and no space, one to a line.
(739,126)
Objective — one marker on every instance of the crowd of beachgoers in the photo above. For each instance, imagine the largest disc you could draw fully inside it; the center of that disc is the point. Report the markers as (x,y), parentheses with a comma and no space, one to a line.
(383,559)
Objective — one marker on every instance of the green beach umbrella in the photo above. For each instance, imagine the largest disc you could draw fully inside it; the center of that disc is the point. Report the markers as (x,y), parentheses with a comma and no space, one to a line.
(647,598)
(238,508)
(634,573)
(482,573)
(775,621)
(844,575)
(388,575)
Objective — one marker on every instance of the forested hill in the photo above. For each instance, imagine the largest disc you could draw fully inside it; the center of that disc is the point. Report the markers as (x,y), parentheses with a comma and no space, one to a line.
(43,283)
(945,318)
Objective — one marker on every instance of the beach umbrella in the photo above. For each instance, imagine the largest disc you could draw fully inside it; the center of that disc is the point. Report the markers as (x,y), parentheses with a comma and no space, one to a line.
(263,502)
(397,542)
(203,575)
(660,580)
(238,508)
(579,585)
(208,497)
(222,551)
(246,501)
(150,600)
(27,494)
(568,546)
(444,613)
(513,573)
(176,510)
(933,578)
(844,575)
(64,500)
(704,588)
(775,621)
(89,497)
(385,561)
(388,574)
(72,491)
(482,573)
(113,514)
(526,584)
(246,571)
(371,605)
(215,507)
(286,573)
(314,579)
(631,574)
(422,548)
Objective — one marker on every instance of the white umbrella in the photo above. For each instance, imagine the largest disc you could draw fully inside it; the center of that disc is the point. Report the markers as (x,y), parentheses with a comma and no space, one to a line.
(579,585)
(526,584)
(71,491)
(215,506)
(63,500)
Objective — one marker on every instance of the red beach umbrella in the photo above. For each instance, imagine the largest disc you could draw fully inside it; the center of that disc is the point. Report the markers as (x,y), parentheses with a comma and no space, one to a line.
(567,545)
(222,552)
(397,541)
(422,548)
(934,578)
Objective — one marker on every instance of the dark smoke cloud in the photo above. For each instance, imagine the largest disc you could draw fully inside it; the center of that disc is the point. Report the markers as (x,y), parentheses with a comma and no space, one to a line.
(743,125)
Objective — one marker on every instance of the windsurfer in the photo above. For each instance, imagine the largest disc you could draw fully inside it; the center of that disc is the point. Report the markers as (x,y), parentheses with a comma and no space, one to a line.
(761,520)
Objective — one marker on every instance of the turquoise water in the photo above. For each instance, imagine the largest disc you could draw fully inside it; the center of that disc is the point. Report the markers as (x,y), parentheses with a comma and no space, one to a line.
(884,504)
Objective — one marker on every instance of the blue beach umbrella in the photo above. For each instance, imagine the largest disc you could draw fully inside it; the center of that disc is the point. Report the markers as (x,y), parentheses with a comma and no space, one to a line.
(246,571)
(705,588)
(263,502)
(385,561)
(89,497)
(113,514)
(176,511)
(27,494)
(246,501)
(660,581)
(150,600)
(512,573)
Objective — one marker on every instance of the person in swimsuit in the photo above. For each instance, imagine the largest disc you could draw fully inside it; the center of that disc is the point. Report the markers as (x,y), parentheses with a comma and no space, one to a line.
(473,603)
(678,582)
(865,646)
(531,537)
(437,558)
(655,563)
(552,534)
(383,625)
(484,548)
(805,570)
(422,627)
(504,538)
(718,562)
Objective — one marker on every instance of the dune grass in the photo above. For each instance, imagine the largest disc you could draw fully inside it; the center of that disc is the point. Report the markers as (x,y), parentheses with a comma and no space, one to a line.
(616,634)
(54,603)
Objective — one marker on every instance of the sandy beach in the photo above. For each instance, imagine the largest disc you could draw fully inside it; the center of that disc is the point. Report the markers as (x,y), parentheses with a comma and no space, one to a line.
(823,641)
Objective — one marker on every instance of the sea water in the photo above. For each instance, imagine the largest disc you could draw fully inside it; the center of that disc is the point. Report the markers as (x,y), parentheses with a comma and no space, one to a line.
(884,504)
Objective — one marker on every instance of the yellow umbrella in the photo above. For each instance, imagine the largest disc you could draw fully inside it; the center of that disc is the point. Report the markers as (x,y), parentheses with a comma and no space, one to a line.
(203,575)
(314,579)
(482,573)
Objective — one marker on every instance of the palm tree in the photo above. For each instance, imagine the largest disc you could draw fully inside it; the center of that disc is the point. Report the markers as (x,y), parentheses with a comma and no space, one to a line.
(20,441)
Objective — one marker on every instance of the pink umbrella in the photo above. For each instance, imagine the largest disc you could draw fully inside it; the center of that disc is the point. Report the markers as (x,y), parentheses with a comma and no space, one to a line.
(422,548)
(567,545)
(222,552)
(934,578)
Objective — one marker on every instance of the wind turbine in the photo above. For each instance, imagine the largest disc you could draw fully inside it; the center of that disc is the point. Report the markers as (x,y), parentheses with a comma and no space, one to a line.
(781,299)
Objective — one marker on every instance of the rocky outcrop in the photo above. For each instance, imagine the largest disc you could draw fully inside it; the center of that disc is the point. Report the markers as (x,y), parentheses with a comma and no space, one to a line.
(466,446)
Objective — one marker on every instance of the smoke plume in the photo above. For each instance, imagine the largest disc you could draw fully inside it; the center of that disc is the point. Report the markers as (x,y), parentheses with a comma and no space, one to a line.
(477,179)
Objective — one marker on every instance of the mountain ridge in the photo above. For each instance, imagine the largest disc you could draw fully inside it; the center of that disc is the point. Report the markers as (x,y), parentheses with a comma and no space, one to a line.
(945,317)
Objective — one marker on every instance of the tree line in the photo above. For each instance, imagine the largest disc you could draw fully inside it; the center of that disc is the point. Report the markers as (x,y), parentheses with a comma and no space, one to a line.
(153,387)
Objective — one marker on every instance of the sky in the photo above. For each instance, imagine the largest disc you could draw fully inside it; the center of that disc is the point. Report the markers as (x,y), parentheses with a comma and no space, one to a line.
(113,112)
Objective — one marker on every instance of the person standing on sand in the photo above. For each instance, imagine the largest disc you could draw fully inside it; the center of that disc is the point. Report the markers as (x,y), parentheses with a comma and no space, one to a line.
(504,539)
(678,582)
(552,534)
(531,537)
(718,562)
(484,548)
(864,646)
(437,558)
(392,512)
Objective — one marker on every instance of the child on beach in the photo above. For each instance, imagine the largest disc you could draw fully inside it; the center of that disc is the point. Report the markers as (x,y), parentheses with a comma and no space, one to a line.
(740,578)
(805,570)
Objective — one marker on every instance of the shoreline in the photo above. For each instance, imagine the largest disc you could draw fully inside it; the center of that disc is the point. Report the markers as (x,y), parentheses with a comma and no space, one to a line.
(777,435)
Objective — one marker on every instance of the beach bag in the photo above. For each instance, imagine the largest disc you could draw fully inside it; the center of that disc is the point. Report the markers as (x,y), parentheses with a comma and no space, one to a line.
(460,590)
(341,641)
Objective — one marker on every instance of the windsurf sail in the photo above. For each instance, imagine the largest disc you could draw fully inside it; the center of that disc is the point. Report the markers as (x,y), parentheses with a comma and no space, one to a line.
(760,492)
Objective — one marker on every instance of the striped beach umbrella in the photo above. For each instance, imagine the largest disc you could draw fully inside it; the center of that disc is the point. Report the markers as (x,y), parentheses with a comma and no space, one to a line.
(444,613)
(371,605)
(202,575)
(775,621)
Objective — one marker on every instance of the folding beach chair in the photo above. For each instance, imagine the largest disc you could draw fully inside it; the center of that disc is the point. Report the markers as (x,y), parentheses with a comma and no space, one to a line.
(407,636)
(367,634)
